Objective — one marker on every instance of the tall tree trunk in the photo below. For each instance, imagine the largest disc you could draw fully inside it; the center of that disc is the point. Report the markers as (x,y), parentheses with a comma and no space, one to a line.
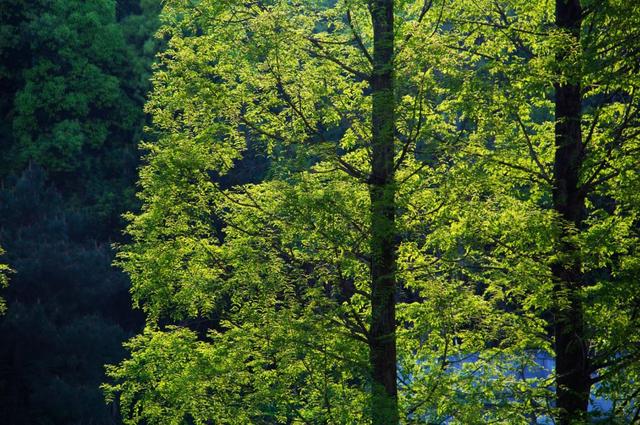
(572,358)
(382,345)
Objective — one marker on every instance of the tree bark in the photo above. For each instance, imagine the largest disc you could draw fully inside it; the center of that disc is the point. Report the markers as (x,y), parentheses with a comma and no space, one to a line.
(382,343)
(572,359)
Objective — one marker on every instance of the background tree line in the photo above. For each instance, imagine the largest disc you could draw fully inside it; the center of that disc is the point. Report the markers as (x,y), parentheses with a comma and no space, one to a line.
(73,78)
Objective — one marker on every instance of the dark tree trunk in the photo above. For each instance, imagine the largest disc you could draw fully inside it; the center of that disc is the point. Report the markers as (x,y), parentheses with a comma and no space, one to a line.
(382,345)
(572,358)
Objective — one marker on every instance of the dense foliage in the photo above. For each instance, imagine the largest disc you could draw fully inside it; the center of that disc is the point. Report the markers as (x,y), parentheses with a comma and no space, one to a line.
(490,275)
(73,76)
(348,212)
(562,142)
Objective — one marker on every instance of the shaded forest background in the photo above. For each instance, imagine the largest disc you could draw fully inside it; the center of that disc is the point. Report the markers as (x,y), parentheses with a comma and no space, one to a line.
(73,78)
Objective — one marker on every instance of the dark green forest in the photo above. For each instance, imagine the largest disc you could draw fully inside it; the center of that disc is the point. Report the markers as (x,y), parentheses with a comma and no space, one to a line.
(319,212)
(73,77)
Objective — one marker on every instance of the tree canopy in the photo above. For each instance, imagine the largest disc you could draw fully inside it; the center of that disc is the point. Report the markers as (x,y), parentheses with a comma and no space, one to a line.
(268,292)
(348,212)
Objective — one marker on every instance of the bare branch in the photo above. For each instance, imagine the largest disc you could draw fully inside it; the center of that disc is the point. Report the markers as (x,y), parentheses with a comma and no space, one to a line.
(532,152)
(357,38)
(324,55)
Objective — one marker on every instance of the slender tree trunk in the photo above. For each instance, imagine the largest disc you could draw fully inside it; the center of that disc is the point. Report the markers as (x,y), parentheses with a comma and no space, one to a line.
(572,358)
(382,345)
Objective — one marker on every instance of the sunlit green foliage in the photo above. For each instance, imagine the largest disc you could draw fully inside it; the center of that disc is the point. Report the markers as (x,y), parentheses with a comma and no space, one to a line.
(267,285)
(508,94)
(282,266)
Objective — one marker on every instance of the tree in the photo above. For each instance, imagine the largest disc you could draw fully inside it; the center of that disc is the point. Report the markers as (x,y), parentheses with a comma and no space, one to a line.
(563,97)
(282,293)
(421,179)
(53,258)
(380,81)
(573,374)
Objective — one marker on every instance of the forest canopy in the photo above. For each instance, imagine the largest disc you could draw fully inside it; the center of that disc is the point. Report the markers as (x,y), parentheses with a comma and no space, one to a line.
(348,212)
(445,231)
